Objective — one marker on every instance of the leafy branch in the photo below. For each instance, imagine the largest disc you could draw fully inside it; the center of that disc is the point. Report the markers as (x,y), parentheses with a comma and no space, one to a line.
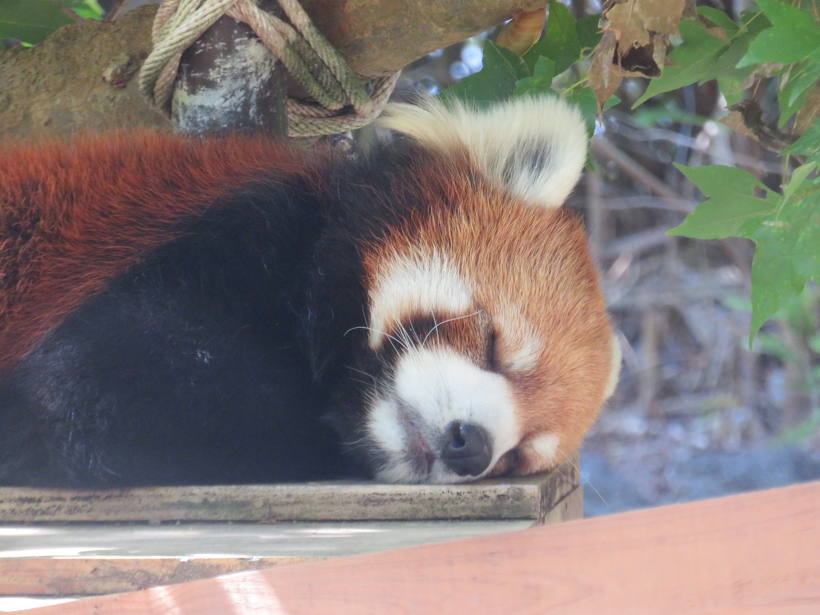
(779,40)
(784,41)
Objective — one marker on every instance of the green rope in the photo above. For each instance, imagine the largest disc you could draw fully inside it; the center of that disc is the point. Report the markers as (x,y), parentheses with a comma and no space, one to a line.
(307,55)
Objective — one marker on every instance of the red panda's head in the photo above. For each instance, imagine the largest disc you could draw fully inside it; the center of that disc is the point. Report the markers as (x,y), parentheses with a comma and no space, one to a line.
(486,312)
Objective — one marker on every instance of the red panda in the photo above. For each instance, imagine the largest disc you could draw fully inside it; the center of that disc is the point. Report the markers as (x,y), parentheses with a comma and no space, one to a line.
(235,310)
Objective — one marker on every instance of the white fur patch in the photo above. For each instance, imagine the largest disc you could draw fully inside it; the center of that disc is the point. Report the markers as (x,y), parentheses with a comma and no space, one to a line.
(615,367)
(384,425)
(525,358)
(522,346)
(536,147)
(541,450)
(434,388)
(419,285)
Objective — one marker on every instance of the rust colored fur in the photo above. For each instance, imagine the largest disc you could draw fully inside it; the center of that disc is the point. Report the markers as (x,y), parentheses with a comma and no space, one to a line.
(73,215)
(529,267)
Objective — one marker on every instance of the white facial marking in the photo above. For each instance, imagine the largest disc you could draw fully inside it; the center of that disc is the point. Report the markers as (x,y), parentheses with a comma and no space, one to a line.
(536,147)
(434,388)
(419,285)
(384,424)
(541,450)
(525,358)
(522,347)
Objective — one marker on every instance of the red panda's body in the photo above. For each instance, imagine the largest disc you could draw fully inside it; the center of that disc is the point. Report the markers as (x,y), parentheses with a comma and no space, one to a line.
(73,215)
(178,311)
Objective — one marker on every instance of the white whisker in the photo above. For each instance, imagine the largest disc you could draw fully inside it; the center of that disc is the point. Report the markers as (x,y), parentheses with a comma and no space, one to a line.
(446,321)
(598,493)
(387,335)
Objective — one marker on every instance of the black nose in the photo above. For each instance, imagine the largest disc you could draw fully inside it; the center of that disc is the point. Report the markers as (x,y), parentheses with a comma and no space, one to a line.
(467,449)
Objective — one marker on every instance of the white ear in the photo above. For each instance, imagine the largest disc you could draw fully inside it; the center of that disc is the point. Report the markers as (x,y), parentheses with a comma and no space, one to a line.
(536,147)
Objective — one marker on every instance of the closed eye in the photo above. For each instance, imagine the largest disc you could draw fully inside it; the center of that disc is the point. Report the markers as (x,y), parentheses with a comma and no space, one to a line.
(493,363)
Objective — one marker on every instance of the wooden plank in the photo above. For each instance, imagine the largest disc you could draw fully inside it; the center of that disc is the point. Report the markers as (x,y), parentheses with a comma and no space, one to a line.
(92,576)
(752,554)
(22,603)
(85,560)
(570,508)
(522,498)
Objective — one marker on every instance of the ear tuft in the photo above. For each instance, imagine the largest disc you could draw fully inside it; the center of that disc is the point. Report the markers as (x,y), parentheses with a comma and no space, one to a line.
(536,147)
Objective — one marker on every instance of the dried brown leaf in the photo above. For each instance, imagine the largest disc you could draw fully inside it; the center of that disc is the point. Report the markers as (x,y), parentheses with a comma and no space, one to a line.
(605,74)
(523,31)
(735,121)
(636,21)
(641,29)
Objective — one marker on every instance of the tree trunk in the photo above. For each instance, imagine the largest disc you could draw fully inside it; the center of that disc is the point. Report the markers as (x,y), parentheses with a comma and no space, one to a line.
(83,77)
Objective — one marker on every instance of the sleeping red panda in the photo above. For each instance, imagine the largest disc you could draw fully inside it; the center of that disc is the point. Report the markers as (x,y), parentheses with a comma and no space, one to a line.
(235,310)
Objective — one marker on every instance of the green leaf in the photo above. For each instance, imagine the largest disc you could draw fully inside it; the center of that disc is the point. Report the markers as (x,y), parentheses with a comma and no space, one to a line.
(589,33)
(87,9)
(495,81)
(783,14)
(31,20)
(585,100)
(804,217)
(792,96)
(802,78)
(691,61)
(726,63)
(541,80)
(730,205)
(807,145)
(732,87)
(560,44)
(799,176)
(733,80)
(793,36)
(787,253)
(719,18)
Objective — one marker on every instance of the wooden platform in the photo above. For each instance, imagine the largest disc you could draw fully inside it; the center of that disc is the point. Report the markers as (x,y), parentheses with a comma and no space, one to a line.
(751,554)
(524,498)
(70,543)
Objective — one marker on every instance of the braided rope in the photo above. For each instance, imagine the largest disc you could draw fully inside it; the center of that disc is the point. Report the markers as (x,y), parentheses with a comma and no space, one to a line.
(343,102)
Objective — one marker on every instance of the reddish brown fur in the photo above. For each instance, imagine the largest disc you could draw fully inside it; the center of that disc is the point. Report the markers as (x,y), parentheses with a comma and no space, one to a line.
(72,215)
(502,245)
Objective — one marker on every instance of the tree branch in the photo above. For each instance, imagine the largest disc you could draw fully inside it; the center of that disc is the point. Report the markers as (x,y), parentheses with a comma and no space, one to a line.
(83,76)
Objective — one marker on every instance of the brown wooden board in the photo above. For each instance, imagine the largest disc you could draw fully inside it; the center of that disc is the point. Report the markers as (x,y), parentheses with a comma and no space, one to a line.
(751,554)
(522,498)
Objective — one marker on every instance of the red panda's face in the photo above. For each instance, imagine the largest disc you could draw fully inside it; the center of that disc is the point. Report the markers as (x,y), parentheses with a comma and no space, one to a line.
(486,316)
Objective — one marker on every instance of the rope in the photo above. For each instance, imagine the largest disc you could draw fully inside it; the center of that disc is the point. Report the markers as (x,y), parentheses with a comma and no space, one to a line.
(343,102)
